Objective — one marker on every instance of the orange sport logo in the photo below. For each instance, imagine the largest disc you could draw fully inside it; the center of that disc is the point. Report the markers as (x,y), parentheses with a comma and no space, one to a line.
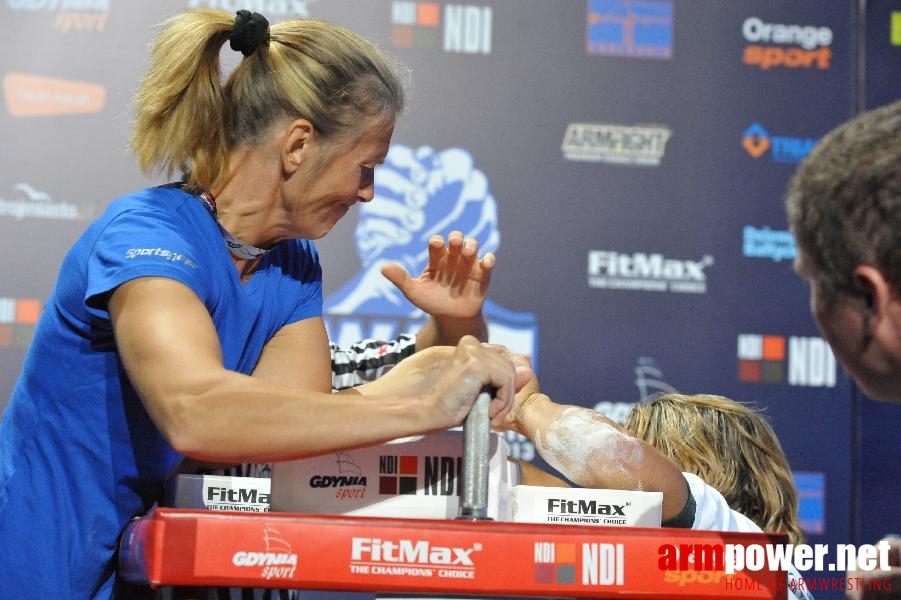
(34,96)
(773,45)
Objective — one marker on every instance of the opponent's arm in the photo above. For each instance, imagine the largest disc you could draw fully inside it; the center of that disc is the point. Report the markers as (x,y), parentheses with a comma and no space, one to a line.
(592,451)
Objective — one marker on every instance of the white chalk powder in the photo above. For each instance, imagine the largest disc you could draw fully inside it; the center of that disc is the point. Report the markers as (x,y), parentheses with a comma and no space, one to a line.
(591,452)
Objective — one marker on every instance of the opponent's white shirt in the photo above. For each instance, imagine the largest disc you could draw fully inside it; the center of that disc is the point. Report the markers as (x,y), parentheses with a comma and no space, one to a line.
(712,513)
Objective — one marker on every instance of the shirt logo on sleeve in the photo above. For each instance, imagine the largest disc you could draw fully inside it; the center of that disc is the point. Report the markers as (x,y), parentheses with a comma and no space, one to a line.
(170,255)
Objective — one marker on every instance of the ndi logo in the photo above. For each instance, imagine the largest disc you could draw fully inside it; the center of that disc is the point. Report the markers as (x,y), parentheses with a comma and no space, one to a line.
(763,358)
(555,563)
(466,27)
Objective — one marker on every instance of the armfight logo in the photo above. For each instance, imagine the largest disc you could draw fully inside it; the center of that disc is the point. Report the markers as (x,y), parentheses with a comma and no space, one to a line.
(640,271)
(615,144)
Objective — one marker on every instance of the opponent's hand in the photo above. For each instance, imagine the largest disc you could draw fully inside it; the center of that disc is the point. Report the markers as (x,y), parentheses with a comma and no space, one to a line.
(453,284)
(525,395)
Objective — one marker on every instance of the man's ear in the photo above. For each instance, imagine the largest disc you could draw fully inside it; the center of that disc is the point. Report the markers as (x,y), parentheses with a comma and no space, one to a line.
(877,295)
(299,138)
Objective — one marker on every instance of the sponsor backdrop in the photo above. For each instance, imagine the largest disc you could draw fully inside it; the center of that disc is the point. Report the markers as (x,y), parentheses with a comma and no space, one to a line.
(626,160)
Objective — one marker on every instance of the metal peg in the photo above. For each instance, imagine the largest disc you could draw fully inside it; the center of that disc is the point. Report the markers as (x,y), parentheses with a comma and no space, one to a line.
(476,442)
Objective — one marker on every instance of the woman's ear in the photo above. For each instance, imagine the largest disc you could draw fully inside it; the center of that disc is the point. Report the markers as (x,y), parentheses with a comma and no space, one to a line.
(297,142)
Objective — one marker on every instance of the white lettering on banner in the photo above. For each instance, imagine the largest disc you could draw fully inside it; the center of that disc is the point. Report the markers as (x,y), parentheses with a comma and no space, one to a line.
(254,559)
(467,29)
(544,552)
(403,13)
(810,362)
(7,310)
(777,557)
(602,564)
(805,36)
(750,346)
(647,272)
(408,551)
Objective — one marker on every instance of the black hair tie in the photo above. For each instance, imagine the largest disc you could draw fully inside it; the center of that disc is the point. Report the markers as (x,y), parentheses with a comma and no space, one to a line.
(249,32)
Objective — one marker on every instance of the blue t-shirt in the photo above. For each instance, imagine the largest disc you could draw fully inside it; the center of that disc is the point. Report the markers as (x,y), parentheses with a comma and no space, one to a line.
(79,455)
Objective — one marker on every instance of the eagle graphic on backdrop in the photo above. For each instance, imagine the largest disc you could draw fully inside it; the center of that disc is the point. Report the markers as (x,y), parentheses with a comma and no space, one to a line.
(419,192)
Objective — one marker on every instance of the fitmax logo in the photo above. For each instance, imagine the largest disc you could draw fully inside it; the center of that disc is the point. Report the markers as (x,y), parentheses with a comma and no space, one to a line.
(647,272)
(584,507)
(410,552)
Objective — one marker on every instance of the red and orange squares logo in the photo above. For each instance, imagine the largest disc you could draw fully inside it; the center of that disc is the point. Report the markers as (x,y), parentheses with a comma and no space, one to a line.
(555,563)
(398,475)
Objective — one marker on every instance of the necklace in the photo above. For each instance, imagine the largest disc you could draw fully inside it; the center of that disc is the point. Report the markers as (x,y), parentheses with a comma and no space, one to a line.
(236,246)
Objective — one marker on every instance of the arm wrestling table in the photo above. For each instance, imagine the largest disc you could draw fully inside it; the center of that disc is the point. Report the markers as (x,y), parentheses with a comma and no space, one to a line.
(467,556)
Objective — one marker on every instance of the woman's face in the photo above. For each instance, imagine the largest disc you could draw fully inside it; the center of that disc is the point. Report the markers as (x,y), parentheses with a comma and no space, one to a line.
(340,175)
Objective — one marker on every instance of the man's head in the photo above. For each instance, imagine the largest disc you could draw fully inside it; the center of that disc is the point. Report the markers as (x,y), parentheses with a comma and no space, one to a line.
(844,209)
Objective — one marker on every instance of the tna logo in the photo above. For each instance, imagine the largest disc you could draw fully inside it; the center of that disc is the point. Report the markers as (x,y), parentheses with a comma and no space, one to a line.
(763,359)
(399,475)
(757,141)
(466,28)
